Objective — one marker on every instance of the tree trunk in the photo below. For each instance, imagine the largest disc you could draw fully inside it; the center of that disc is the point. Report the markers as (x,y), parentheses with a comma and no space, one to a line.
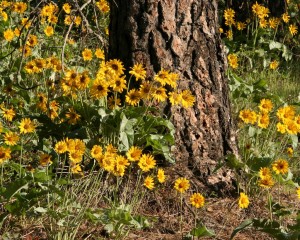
(182,36)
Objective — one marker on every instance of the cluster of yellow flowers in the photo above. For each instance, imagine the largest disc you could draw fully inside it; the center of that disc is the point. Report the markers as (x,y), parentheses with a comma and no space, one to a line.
(38,65)
(280,166)
(233,60)
(262,14)
(289,122)
(196,199)
(262,118)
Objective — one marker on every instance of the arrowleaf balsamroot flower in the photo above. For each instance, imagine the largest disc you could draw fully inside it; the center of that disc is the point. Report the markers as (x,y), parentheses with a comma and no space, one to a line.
(138,71)
(197,200)
(280,166)
(266,182)
(233,60)
(11,138)
(149,182)
(87,54)
(134,153)
(243,200)
(265,105)
(4,154)
(161,177)
(182,185)
(27,126)
(298,192)
(147,162)
(248,116)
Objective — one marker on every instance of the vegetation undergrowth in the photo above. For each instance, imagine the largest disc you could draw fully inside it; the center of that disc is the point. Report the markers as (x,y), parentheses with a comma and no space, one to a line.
(83,140)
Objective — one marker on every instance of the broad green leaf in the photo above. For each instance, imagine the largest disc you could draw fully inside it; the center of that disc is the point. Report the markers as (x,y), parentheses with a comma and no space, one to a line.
(241,227)
(202,231)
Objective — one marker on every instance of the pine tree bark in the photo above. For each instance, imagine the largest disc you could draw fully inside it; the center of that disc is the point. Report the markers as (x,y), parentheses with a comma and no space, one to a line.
(182,36)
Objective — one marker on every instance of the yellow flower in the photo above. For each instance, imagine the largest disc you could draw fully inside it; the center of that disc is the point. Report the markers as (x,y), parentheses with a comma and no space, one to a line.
(4,154)
(265,105)
(97,152)
(293,29)
(290,151)
(113,102)
(264,172)
(187,99)
(146,90)
(45,159)
(99,53)
(119,84)
(161,177)
(149,182)
(27,126)
(229,15)
(263,23)
(291,127)
(9,35)
(274,22)
(147,162)
(240,26)
(134,153)
(32,40)
(49,31)
(4,16)
(76,169)
(175,98)
(52,19)
(280,166)
(274,64)
(87,54)
(281,127)
(11,138)
(103,6)
(133,97)
(162,77)
(67,8)
(285,17)
(233,60)
(266,182)
(287,112)
(61,147)
(77,20)
(48,10)
(138,71)
(229,34)
(248,116)
(115,66)
(75,157)
(263,120)
(243,200)
(182,185)
(197,200)
(298,192)
(99,89)
(159,94)
(19,7)
(26,22)
(72,116)
(68,20)
(8,114)
(260,10)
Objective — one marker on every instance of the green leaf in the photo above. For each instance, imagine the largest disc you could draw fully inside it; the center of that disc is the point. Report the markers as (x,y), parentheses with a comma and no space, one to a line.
(202,231)
(275,45)
(241,227)
(15,187)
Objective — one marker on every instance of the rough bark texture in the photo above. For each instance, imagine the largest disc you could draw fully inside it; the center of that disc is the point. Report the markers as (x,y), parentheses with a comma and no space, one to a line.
(181,36)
